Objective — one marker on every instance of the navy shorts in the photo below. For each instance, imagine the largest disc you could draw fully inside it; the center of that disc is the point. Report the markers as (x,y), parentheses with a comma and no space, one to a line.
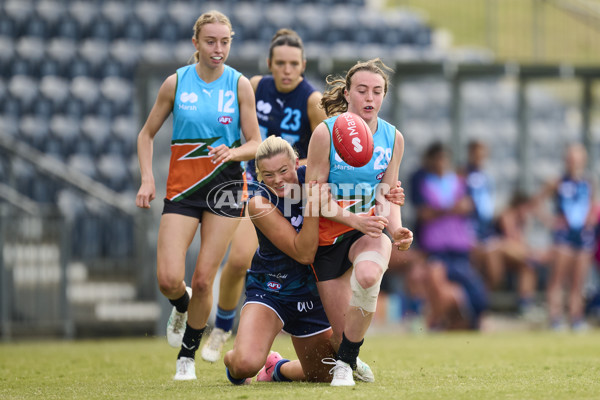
(460,271)
(579,239)
(301,318)
(332,261)
(196,211)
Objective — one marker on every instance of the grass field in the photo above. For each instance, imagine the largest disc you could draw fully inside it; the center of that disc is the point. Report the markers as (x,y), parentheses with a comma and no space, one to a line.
(525,365)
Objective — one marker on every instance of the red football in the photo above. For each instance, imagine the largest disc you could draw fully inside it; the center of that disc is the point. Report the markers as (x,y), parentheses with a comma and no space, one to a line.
(352,139)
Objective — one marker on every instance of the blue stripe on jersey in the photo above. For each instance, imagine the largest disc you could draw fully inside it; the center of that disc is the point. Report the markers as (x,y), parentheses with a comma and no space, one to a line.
(206,110)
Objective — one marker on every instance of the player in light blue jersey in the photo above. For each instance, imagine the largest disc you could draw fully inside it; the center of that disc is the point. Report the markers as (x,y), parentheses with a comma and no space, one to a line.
(212,106)
(573,231)
(355,251)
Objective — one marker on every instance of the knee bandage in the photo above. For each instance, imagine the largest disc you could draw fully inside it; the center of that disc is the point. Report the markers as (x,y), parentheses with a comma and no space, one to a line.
(366,299)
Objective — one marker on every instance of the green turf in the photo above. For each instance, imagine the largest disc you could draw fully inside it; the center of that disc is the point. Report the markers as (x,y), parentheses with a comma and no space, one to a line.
(521,365)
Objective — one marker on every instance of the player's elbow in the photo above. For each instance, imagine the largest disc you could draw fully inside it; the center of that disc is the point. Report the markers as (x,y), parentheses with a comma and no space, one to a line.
(305,259)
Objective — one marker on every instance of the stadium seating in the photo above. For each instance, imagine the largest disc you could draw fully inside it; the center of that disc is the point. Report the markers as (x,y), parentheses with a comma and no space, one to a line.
(67,72)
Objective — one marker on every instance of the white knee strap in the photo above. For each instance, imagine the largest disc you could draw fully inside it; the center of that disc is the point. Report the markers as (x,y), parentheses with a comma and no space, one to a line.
(366,299)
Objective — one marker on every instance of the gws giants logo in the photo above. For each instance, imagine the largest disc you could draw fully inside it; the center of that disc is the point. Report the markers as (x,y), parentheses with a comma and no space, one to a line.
(225,119)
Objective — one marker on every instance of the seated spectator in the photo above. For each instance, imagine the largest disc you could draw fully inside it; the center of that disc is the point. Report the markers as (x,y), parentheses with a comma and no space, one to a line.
(456,295)
(516,255)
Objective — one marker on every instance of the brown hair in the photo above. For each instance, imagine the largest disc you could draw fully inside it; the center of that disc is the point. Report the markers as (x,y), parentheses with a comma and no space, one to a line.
(286,37)
(210,17)
(334,102)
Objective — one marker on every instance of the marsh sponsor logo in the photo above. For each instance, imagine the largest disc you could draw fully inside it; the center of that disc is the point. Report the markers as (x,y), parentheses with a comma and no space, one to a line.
(188,98)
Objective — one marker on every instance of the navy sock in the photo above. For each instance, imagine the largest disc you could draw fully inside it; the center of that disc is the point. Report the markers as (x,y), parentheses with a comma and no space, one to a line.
(233,380)
(181,304)
(224,319)
(190,342)
(348,351)
(277,375)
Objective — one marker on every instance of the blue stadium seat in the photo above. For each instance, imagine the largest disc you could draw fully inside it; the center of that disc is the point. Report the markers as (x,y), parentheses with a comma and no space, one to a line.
(84,13)
(135,30)
(97,130)
(84,164)
(156,51)
(8,27)
(119,14)
(33,130)
(86,90)
(96,53)
(151,14)
(126,53)
(51,11)
(65,129)
(68,28)
(184,19)
(25,89)
(118,90)
(56,89)
(101,29)
(36,27)
(9,124)
(114,171)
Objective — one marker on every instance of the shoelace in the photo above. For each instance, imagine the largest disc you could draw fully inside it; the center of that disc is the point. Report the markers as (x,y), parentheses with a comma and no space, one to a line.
(333,361)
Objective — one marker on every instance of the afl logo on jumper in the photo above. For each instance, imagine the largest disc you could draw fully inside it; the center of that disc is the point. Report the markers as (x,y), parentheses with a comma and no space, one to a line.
(274,285)
(225,119)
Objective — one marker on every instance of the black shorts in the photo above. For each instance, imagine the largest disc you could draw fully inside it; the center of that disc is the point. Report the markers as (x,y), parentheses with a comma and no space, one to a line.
(195,211)
(332,261)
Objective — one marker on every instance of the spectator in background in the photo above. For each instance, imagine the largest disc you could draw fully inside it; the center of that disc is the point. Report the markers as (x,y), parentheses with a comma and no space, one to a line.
(480,187)
(456,295)
(516,254)
(500,244)
(573,228)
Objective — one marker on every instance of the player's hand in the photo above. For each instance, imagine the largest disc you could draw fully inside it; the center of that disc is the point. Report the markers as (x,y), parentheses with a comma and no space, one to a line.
(318,195)
(396,195)
(403,238)
(220,154)
(372,226)
(145,195)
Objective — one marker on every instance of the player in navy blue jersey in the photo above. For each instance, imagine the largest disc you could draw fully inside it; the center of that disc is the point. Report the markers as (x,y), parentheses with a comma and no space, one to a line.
(573,231)
(212,106)
(281,292)
(287,105)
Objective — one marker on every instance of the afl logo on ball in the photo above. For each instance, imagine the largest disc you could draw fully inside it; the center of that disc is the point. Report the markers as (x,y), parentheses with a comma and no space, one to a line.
(225,119)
